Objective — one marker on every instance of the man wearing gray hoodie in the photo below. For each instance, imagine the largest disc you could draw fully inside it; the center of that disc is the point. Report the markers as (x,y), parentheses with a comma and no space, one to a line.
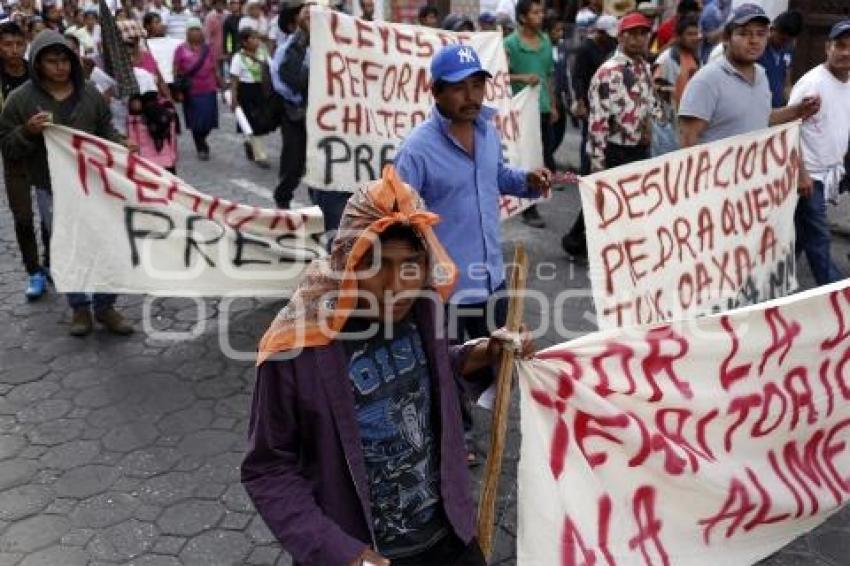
(58,93)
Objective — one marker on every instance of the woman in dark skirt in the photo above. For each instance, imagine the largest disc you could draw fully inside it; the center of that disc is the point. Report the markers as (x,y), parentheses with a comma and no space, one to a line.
(246,88)
(195,61)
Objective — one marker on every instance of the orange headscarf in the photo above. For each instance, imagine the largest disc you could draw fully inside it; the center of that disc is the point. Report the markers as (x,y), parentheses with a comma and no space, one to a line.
(324,299)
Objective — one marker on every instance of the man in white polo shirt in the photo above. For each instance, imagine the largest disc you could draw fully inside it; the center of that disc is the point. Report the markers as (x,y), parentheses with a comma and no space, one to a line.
(825,139)
(731,95)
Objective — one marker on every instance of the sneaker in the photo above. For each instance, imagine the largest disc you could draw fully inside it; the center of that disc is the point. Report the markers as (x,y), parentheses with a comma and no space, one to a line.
(249,150)
(36,286)
(262,164)
(531,217)
(204,155)
(114,322)
(81,322)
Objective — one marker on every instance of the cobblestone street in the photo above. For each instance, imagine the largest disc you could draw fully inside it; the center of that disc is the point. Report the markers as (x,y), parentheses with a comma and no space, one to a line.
(127,450)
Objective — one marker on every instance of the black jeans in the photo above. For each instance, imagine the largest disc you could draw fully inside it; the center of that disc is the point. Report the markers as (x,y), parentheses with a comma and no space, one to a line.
(548,138)
(616,155)
(585,158)
(19,193)
(467,322)
(450,551)
(559,128)
(293,158)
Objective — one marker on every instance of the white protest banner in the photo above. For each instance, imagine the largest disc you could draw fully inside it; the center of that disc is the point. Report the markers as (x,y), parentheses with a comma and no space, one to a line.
(711,441)
(525,109)
(162,49)
(370,85)
(700,230)
(124,225)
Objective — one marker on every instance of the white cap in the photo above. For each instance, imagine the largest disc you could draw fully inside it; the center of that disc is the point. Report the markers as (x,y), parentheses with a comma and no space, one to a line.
(586,19)
(608,24)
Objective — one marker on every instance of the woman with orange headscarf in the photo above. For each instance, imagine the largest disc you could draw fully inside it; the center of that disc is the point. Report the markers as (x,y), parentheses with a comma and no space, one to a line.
(356,449)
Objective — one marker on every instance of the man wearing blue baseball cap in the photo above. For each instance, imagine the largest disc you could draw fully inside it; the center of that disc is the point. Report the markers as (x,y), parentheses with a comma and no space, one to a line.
(454,160)
(825,137)
(731,95)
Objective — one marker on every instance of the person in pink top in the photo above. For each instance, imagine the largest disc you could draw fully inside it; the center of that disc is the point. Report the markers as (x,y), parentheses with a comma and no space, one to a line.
(151,119)
(195,60)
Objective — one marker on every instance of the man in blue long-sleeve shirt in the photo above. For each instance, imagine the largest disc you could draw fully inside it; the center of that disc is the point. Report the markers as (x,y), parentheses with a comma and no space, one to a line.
(454,160)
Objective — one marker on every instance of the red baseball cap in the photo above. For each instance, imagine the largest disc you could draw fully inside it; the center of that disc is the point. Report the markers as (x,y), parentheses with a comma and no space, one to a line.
(634,20)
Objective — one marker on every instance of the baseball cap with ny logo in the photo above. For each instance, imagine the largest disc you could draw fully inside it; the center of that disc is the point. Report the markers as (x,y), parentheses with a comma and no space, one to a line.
(453,63)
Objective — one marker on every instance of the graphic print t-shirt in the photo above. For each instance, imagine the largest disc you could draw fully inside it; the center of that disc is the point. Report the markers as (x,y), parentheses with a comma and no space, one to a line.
(392,391)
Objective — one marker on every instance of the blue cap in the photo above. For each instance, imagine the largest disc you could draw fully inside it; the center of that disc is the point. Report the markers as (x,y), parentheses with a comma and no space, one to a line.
(839,29)
(453,63)
(487,18)
(711,19)
(746,13)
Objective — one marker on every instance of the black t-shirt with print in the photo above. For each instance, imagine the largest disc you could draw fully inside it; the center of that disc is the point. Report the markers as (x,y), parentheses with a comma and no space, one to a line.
(8,82)
(391,379)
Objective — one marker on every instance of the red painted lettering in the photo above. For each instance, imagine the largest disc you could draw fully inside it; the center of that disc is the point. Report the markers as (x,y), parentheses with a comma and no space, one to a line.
(789,331)
(728,375)
(800,395)
(144,183)
(735,509)
(101,162)
(659,360)
(649,527)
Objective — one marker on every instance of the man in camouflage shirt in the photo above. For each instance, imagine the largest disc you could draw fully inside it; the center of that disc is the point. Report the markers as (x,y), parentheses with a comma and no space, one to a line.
(622,100)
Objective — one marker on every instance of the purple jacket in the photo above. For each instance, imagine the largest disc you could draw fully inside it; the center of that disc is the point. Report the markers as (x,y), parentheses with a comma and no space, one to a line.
(305,470)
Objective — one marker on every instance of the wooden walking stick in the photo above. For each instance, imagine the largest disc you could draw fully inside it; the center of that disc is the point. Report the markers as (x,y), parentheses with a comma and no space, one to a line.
(487,503)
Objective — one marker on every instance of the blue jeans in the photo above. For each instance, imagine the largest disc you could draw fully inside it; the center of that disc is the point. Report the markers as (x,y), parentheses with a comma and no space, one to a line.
(99,302)
(813,236)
